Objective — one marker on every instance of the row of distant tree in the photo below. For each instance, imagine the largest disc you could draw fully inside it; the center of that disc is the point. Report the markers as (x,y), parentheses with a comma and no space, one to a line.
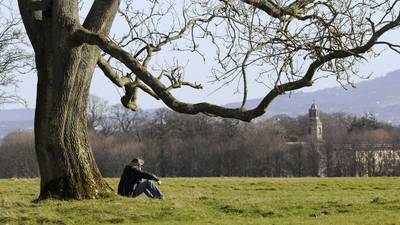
(174,144)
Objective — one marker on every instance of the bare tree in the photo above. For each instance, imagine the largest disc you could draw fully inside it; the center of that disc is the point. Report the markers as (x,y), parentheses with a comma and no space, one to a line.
(288,41)
(13,57)
(128,122)
(97,112)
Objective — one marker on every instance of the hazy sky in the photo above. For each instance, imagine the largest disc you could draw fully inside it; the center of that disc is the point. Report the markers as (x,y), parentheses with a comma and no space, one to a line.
(199,71)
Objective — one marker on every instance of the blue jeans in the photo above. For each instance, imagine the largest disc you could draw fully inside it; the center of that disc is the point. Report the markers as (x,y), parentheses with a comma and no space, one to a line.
(149,188)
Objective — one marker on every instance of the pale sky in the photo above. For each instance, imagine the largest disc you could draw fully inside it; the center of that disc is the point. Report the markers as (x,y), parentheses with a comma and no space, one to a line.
(199,71)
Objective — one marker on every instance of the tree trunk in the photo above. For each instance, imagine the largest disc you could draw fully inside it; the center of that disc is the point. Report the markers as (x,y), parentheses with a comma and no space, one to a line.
(65,69)
(66,162)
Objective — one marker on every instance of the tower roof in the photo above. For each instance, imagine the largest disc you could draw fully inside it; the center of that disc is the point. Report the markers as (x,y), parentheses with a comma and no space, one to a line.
(314,107)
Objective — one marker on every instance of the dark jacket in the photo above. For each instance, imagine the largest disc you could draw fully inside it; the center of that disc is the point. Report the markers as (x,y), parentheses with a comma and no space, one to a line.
(130,177)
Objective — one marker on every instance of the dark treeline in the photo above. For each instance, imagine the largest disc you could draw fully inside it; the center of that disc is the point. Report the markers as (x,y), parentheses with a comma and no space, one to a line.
(174,144)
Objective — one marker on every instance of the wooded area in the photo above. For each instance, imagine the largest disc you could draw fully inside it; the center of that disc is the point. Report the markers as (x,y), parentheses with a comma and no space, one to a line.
(174,144)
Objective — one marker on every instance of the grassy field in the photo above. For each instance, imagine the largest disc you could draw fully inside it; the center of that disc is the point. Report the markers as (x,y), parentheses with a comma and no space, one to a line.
(217,201)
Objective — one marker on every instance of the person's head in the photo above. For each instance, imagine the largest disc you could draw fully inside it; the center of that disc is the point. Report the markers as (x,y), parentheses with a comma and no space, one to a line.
(138,163)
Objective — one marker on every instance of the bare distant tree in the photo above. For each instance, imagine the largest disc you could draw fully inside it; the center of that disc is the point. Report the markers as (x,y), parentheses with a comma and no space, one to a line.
(128,122)
(285,42)
(97,112)
(13,57)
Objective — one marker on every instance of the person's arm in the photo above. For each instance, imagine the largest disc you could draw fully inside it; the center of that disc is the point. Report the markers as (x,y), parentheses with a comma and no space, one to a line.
(147,175)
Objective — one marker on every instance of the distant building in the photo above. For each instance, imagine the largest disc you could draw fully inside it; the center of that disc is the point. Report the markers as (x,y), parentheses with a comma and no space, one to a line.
(364,160)
(340,159)
(316,143)
(312,148)
(314,124)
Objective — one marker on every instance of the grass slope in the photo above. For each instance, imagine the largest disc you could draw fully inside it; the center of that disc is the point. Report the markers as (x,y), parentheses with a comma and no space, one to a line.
(217,201)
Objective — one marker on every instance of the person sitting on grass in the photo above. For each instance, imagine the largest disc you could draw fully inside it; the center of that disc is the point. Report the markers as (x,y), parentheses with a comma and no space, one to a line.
(132,185)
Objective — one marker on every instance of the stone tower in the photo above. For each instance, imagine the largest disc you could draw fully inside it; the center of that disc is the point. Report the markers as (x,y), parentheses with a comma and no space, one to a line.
(314,124)
(317,148)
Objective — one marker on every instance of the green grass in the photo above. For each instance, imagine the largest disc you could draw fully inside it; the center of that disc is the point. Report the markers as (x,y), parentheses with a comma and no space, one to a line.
(217,201)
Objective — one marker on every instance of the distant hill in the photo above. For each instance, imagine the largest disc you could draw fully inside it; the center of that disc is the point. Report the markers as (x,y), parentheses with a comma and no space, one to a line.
(7,115)
(16,120)
(380,96)
(11,126)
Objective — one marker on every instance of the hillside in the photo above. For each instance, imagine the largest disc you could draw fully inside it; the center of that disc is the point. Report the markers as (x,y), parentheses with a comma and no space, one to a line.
(7,115)
(16,120)
(380,96)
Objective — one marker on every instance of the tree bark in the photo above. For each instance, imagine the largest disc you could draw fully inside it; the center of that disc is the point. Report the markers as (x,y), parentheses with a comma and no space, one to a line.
(66,163)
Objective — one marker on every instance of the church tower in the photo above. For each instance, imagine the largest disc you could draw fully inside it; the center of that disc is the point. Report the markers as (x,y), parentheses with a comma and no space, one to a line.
(314,124)
(317,152)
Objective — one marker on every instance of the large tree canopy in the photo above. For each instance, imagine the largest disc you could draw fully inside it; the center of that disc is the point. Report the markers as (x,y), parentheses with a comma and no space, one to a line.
(282,44)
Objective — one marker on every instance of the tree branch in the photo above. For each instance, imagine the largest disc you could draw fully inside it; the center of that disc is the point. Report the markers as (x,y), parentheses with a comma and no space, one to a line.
(297,8)
(101,16)
(146,89)
(319,58)
(128,60)
(129,100)
(111,74)
(33,26)
(162,92)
